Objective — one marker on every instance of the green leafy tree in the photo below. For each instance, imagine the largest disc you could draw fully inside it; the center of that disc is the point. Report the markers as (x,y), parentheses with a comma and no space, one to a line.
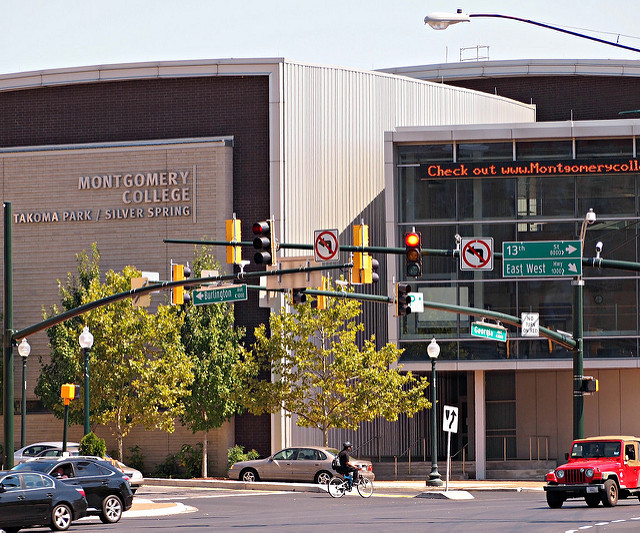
(213,344)
(321,373)
(139,372)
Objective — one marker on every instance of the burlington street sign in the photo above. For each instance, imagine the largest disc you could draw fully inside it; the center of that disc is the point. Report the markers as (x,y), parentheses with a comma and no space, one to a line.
(541,259)
(216,295)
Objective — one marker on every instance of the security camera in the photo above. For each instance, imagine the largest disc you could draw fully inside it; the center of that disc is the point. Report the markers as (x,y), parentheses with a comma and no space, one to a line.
(599,247)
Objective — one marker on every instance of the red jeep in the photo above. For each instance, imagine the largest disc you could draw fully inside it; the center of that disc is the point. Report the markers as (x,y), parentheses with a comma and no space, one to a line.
(600,469)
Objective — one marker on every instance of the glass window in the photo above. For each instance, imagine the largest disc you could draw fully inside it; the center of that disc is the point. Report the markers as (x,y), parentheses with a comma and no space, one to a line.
(500,151)
(11,482)
(286,455)
(544,197)
(33,481)
(586,148)
(422,198)
(486,198)
(425,153)
(543,150)
(86,468)
(607,195)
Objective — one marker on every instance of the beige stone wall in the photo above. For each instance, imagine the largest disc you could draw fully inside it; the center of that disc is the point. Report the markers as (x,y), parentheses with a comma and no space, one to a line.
(544,407)
(56,217)
(155,445)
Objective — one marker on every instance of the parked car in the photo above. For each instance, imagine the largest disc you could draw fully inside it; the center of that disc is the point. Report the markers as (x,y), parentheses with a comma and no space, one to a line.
(31,451)
(106,488)
(135,477)
(35,499)
(298,463)
(598,469)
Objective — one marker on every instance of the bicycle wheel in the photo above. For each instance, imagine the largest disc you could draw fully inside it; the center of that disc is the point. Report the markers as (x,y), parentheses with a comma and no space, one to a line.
(335,487)
(365,487)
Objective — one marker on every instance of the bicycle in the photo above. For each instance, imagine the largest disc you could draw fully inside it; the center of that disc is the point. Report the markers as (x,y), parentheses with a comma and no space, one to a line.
(337,486)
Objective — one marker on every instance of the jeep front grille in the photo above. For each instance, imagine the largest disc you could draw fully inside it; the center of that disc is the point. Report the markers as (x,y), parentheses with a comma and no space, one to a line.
(574,475)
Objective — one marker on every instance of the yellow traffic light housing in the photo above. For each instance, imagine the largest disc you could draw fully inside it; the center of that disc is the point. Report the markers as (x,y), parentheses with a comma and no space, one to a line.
(179,295)
(362,271)
(234,253)
(69,392)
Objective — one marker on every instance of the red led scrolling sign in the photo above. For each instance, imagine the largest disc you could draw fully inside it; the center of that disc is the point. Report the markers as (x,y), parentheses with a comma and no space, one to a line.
(570,167)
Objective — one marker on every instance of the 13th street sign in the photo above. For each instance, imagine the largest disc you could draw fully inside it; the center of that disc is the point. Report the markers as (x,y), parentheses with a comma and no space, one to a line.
(541,259)
(216,295)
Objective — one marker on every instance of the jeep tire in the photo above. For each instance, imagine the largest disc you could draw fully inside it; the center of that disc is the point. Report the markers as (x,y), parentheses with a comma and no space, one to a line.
(610,494)
(593,500)
(555,499)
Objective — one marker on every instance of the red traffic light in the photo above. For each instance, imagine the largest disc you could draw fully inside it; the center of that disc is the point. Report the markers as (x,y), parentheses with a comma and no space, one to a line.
(412,239)
(261,228)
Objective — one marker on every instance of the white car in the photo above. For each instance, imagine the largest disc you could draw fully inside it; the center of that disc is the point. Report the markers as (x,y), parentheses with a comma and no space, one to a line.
(35,449)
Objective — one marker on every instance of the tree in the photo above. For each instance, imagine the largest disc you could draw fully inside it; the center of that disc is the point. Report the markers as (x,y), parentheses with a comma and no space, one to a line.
(322,375)
(139,372)
(213,345)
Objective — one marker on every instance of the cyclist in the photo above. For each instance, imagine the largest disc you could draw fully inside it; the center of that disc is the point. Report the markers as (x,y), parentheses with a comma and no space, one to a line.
(345,466)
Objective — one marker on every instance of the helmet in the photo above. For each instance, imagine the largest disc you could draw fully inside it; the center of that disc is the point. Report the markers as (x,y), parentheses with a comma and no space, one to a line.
(346,445)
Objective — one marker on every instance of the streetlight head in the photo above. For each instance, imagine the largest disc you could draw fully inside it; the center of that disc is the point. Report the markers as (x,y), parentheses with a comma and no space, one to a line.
(590,217)
(433,349)
(86,339)
(24,349)
(441,21)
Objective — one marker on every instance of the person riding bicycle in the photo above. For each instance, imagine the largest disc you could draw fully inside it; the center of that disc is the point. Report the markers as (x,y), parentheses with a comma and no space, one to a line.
(346,467)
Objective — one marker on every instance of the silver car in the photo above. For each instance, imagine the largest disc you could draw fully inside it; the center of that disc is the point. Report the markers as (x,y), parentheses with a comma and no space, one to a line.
(297,463)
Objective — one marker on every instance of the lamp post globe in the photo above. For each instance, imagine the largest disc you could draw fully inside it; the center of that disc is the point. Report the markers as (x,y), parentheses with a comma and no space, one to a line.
(434,480)
(24,349)
(86,342)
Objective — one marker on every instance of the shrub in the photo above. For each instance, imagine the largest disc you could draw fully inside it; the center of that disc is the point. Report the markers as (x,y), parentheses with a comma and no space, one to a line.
(236,454)
(91,444)
(169,468)
(190,459)
(136,459)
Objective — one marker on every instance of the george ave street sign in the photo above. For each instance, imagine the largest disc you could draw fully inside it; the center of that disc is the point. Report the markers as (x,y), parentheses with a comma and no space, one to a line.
(489,331)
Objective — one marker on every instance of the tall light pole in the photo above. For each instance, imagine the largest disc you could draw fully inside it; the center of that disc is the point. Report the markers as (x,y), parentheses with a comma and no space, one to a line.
(441,21)
(24,350)
(86,342)
(578,334)
(434,477)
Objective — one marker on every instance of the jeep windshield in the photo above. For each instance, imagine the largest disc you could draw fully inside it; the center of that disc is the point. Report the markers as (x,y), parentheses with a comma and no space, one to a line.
(595,449)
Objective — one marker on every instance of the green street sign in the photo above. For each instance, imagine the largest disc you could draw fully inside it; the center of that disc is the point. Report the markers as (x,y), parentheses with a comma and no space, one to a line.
(216,295)
(541,259)
(489,331)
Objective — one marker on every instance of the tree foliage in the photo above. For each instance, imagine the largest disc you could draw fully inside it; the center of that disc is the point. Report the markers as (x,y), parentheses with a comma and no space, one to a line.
(213,345)
(321,374)
(139,372)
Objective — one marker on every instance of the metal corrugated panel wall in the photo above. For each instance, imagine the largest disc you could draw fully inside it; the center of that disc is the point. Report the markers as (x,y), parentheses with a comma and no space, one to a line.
(332,173)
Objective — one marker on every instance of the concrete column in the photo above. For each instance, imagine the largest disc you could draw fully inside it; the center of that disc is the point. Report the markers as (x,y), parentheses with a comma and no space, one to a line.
(480,423)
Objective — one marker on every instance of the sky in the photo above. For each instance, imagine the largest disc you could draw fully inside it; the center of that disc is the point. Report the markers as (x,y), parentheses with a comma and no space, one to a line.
(363,34)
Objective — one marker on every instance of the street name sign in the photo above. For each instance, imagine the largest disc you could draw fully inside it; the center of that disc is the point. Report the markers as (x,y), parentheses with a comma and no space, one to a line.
(489,331)
(541,259)
(217,295)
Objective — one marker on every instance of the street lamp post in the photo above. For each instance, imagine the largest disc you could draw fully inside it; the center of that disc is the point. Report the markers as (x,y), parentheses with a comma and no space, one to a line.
(441,21)
(578,334)
(24,350)
(434,477)
(86,342)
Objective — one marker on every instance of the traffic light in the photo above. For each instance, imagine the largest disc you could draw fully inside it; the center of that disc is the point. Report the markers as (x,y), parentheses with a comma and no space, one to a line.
(403,300)
(179,295)
(264,242)
(362,271)
(234,253)
(298,296)
(375,265)
(321,299)
(589,385)
(413,253)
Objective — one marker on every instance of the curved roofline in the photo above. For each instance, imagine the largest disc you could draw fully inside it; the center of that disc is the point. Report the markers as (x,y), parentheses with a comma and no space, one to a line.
(519,67)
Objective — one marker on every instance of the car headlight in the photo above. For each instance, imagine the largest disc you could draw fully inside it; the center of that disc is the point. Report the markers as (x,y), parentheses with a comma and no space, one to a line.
(588,472)
(560,474)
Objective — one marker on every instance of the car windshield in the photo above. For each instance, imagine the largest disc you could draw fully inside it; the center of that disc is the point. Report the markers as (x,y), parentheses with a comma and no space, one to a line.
(595,449)
(38,466)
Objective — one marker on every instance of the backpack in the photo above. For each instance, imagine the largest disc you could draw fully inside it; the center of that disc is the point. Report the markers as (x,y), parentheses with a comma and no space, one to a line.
(335,464)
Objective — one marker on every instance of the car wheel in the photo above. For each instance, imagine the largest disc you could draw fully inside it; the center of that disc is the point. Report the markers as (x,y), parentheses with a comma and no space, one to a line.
(323,477)
(61,517)
(593,500)
(610,494)
(111,509)
(555,499)
(10,529)
(249,475)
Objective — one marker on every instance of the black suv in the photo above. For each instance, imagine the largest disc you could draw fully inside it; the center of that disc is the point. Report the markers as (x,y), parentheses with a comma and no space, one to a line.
(106,488)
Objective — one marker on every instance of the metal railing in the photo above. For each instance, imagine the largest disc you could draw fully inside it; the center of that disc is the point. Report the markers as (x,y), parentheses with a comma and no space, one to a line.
(505,439)
(538,438)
